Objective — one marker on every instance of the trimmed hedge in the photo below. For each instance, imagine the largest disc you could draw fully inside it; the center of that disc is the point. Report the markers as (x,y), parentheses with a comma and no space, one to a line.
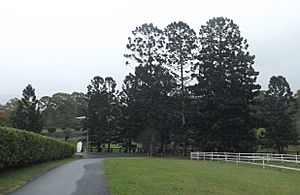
(20,148)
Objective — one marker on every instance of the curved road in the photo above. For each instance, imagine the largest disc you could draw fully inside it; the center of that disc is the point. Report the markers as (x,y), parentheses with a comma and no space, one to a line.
(80,177)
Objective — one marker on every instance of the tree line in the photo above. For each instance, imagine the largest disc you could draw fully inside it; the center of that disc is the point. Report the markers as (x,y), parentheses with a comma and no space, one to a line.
(188,91)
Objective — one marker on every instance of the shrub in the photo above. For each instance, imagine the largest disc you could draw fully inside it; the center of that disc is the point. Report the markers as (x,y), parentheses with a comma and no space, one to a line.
(20,148)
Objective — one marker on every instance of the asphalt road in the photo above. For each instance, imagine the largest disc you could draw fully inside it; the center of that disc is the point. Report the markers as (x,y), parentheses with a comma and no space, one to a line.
(80,177)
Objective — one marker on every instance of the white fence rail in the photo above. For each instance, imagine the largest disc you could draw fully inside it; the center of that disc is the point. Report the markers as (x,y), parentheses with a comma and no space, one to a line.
(283,161)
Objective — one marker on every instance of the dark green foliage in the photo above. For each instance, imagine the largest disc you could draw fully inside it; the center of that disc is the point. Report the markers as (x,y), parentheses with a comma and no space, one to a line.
(102,111)
(27,115)
(280,131)
(51,130)
(6,112)
(4,116)
(20,148)
(148,91)
(146,45)
(226,86)
(81,103)
(147,105)
(180,43)
(296,108)
(180,46)
(61,109)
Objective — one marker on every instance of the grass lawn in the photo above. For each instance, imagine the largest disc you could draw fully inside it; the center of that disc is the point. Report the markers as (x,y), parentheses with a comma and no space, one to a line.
(165,176)
(12,179)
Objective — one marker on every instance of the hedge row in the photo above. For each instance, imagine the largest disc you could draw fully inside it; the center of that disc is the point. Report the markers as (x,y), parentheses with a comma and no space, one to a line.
(20,148)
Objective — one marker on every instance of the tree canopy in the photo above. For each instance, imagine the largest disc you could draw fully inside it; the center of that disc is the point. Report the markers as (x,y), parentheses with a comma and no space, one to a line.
(188,91)
(27,115)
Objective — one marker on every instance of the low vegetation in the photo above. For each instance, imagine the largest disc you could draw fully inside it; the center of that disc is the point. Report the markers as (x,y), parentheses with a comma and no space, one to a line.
(20,148)
(177,176)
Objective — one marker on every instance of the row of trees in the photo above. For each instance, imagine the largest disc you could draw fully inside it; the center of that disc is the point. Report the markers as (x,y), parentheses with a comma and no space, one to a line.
(187,91)
(58,111)
(276,111)
(191,90)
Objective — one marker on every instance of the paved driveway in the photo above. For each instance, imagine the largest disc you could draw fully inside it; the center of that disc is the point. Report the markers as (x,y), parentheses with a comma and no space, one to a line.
(80,177)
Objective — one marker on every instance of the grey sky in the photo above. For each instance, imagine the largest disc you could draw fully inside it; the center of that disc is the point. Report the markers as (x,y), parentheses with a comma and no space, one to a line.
(59,45)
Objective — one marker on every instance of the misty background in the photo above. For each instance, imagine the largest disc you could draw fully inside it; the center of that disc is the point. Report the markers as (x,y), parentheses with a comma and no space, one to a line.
(60,45)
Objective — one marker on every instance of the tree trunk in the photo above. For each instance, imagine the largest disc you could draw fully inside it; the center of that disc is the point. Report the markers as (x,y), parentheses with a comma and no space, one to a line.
(151,146)
(98,147)
(108,146)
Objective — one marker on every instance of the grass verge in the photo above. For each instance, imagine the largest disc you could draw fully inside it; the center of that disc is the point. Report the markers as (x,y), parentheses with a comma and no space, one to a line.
(176,176)
(12,179)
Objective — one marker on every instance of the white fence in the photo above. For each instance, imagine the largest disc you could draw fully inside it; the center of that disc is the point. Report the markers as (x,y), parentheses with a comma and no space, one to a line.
(283,161)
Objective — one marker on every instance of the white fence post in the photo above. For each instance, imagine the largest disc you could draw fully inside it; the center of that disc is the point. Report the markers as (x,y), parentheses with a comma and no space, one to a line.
(204,156)
(226,157)
(296,158)
(263,158)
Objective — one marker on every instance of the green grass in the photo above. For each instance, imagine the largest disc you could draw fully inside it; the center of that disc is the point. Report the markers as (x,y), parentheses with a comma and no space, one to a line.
(165,176)
(12,179)
(292,149)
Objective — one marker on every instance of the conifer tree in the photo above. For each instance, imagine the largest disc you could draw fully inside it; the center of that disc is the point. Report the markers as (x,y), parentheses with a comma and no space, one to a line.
(180,43)
(280,131)
(27,115)
(226,86)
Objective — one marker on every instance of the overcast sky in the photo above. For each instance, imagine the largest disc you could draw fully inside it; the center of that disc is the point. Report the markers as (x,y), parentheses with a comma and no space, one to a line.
(59,45)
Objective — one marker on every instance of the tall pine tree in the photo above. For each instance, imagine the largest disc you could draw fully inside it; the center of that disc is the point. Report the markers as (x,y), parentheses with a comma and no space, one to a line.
(280,130)
(27,115)
(151,82)
(180,43)
(100,120)
(226,86)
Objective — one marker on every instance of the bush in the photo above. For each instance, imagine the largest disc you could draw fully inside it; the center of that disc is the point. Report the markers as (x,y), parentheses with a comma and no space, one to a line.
(20,148)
